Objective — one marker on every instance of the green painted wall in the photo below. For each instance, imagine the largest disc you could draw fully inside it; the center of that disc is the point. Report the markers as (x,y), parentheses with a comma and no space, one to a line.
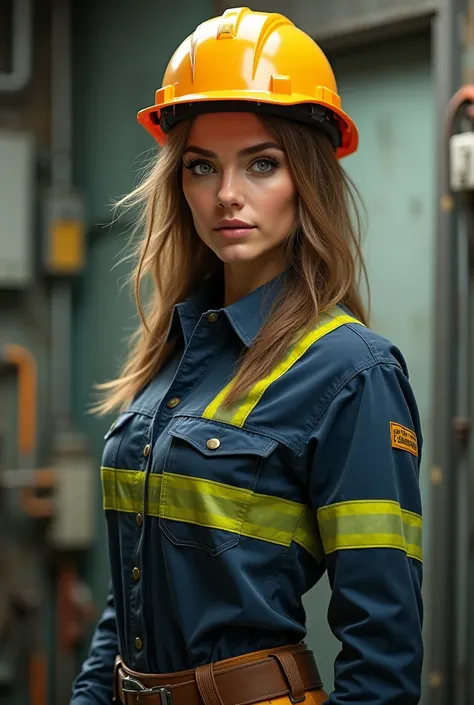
(387,89)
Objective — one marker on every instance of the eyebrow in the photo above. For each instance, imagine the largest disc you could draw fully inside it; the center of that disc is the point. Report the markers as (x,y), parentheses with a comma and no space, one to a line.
(243,152)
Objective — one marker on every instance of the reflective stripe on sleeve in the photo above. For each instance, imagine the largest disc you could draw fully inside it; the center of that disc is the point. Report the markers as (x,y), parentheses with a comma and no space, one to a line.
(214,505)
(237,414)
(370,524)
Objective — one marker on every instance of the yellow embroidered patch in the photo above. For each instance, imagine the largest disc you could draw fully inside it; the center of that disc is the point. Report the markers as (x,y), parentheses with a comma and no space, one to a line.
(403,438)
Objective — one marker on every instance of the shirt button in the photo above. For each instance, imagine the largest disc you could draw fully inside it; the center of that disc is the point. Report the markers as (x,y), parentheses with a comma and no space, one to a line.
(136,573)
(138,643)
(213,317)
(146,451)
(173,402)
(213,443)
(139,519)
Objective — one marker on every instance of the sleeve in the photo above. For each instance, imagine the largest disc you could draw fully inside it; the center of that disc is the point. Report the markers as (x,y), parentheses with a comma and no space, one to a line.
(94,684)
(365,485)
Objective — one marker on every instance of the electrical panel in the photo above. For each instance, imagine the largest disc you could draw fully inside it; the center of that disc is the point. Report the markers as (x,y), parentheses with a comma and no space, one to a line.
(73,525)
(17,182)
(462,161)
(64,240)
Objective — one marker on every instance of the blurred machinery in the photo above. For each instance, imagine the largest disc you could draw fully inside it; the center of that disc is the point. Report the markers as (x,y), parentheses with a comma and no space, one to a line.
(47,504)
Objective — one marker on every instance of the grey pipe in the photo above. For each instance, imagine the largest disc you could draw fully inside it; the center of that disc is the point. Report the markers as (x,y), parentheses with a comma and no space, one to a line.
(61,79)
(61,183)
(20,76)
(441,656)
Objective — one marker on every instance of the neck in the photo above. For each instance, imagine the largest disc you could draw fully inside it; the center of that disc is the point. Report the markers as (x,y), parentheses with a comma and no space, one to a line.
(240,279)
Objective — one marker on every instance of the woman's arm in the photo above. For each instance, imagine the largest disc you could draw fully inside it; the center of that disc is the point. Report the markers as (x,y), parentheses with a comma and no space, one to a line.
(94,684)
(364,482)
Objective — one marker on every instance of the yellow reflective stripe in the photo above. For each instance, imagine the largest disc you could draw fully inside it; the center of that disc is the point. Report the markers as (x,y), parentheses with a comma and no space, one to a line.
(307,534)
(237,414)
(122,490)
(203,502)
(153,492)
(412,524)
(370,524)
(214,505)
(271,519)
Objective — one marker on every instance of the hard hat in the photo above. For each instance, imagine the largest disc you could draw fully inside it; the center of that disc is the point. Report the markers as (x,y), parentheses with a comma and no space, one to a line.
(257,57)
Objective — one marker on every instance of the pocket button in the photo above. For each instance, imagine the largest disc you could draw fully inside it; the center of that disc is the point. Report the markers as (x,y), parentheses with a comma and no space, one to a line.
(172,403)
(213,443)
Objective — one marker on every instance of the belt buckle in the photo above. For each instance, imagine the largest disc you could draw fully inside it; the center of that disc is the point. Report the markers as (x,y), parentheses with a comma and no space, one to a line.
(133,685)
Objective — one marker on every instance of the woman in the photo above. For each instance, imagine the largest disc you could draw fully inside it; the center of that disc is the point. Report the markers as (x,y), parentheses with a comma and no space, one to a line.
(266,435)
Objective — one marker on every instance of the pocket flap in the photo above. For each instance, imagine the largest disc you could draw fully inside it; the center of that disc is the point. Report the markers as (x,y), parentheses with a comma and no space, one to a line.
(119,422)
(217,439)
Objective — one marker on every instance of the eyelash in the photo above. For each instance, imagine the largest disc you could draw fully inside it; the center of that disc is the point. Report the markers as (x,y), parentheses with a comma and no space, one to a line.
(271,160)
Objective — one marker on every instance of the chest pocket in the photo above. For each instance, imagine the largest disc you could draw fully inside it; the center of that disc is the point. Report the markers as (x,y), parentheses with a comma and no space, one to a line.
(207,483)
(126,440)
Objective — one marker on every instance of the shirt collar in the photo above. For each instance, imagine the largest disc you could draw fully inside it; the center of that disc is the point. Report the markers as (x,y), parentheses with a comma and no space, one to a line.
(246,316)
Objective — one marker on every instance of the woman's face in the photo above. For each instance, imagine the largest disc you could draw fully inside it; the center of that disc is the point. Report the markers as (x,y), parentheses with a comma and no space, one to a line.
(237,183)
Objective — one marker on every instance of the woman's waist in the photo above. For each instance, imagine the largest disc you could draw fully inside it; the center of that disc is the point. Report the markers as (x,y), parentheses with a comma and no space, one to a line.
(266,673)
(166,648)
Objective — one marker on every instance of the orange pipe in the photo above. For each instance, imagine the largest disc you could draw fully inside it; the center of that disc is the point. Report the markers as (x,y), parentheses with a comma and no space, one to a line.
(26,367)
(38,672)
(27,390)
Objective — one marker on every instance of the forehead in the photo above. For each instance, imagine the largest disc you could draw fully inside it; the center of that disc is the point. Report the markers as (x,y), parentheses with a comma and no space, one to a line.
(227,131)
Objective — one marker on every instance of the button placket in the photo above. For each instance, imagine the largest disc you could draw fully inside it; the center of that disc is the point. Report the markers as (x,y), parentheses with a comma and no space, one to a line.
(136,596)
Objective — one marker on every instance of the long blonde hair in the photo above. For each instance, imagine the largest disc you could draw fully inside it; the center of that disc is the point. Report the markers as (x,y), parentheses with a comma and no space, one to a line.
(324,256)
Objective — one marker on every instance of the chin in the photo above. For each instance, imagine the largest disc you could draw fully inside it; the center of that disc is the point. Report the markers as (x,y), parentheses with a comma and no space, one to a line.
(235,254)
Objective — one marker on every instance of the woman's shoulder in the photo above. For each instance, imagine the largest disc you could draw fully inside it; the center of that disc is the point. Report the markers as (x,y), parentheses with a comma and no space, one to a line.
(347,347)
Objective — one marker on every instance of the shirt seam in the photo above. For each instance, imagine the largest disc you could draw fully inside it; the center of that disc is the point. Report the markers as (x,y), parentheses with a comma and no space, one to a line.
(344,381)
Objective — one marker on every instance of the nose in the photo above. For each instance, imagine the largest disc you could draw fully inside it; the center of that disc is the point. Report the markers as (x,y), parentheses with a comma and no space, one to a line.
(230,191)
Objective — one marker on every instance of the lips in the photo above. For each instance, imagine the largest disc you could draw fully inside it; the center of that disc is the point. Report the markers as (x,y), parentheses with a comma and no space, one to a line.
(233,224)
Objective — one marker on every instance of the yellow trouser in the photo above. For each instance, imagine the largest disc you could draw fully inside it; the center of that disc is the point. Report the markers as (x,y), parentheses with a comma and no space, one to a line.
(316,697)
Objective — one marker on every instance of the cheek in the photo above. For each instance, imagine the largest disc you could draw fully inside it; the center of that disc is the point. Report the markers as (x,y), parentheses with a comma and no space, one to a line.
(199,200)
(279,203)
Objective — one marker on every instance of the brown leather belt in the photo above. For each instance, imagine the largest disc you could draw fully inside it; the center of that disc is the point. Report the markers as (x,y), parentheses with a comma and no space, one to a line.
(262,675)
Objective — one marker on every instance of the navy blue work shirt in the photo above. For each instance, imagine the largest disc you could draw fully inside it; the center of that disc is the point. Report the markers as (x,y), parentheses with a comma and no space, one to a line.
(219,519)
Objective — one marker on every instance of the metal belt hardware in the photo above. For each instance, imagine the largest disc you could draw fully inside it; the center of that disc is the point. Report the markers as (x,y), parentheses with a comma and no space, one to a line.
(132,685)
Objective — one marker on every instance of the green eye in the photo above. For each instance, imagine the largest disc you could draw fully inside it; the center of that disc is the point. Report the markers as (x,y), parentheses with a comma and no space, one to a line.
(199,168)
(264,165)
(202,169)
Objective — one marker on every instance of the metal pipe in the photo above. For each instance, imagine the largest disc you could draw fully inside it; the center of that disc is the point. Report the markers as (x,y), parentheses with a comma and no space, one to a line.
(17,79)
(61,183)
(461,428)
(468,603)
(470,529)
(61,294)
(442,565)
(61,73)
(61,333)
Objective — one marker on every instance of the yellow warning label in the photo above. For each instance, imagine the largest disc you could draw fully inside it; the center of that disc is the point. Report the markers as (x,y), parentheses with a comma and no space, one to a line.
(403,438)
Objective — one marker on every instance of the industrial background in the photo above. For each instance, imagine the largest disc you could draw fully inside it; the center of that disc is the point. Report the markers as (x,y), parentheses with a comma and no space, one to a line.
(72,77)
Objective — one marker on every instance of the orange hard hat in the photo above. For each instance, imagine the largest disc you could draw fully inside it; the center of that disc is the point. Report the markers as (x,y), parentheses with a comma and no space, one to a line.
(247,57)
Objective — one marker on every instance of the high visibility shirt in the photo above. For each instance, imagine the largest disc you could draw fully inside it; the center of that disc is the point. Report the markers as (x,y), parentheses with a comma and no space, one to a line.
(219,519)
